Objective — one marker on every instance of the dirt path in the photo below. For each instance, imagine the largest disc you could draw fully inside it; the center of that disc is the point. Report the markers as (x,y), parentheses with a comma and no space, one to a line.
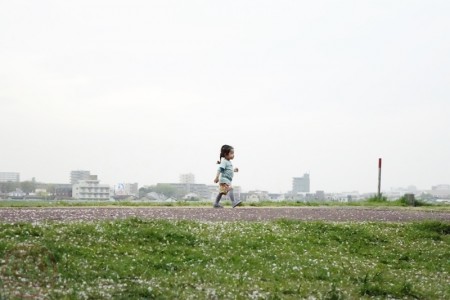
(339,214)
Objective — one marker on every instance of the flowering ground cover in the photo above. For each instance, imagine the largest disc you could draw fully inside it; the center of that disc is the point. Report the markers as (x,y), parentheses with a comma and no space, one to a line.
(93,203)
(324,213)
(169,259)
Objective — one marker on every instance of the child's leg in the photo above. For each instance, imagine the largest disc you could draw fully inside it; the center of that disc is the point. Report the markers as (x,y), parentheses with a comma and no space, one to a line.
(216,204)
(218,198)
(231,195)
(223,190)
(233,202)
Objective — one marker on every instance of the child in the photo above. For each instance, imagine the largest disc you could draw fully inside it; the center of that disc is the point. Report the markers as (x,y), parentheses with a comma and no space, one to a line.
(226,173)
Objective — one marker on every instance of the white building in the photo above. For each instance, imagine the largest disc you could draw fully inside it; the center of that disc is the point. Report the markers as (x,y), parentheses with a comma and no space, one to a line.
(9,176)
(187,178)
(256,196)
(126,189)
(18,193)
(300,184)
(78,175)
(441,187)
(441,191)
(90,190)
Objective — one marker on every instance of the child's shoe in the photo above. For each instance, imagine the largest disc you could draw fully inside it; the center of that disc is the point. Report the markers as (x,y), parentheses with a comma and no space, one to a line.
(217,205)
(237,203)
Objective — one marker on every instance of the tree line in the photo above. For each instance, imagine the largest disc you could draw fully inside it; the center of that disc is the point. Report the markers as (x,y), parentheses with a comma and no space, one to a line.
(161,188)
(25,186)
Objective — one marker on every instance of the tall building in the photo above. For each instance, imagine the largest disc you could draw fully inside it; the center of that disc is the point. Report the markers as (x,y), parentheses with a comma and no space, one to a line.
(9,176)
(76,176)
(187,178)
(300,184)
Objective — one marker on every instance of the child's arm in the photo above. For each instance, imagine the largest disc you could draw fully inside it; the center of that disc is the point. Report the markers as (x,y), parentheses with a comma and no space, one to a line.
(216,180)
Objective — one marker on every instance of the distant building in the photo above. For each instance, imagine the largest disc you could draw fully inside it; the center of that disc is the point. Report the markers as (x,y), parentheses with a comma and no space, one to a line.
(90,190)
(9,176)
(213,190)
(187,178)
(237,192)
(153,196)
(17,194)
(441,191)
(277,196)
(320,195)
(440,187)
(183,189)
(76,176)
(63,191)
(301,184)
(126,189)
(203,191)
(255,196)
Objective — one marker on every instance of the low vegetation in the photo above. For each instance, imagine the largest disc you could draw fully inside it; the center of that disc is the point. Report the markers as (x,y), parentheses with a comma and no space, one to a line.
(371,202)
(147,259)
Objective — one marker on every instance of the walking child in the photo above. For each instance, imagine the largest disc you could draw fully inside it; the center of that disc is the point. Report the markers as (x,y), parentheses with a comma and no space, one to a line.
(225,176)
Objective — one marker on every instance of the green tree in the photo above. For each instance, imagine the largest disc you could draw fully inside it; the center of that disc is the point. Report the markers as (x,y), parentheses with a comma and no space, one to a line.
(166,189)
(161,188)
(145,190)
(51,188)
(7,187)
(28,186)
(42,194)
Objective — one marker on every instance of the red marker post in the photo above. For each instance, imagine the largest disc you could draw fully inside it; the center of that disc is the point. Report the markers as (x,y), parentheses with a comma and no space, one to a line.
(379,178)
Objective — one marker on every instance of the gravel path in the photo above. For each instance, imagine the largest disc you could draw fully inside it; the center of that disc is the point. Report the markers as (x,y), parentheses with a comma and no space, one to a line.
(339,214)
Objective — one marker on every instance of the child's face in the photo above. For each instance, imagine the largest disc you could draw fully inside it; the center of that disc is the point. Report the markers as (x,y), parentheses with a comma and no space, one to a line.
(230,155)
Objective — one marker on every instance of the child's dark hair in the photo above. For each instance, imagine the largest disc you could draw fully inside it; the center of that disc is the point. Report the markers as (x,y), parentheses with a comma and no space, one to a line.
(225,150)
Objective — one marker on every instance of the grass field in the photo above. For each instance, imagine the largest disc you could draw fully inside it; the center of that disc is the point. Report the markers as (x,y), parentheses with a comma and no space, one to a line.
(73,203)
(137,259)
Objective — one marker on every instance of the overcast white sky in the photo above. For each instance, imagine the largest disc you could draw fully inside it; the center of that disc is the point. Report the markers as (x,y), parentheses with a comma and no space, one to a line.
(142,91)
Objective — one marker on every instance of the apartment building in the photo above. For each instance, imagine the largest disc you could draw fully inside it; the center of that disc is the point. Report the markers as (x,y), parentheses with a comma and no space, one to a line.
(9,176)
(77,175)
(301,184)
(187,178)
(90,190)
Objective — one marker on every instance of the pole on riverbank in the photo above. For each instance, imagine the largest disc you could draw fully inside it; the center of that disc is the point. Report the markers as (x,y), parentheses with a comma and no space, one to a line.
(379,178)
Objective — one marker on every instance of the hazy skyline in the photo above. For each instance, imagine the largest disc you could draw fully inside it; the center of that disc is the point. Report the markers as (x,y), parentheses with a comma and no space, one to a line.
(143,91)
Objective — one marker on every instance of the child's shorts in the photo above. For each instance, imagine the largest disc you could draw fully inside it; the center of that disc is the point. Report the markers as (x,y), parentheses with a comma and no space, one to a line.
(224,188)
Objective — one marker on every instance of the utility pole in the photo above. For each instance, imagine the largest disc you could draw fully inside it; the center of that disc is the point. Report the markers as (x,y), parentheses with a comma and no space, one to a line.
(379,178)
